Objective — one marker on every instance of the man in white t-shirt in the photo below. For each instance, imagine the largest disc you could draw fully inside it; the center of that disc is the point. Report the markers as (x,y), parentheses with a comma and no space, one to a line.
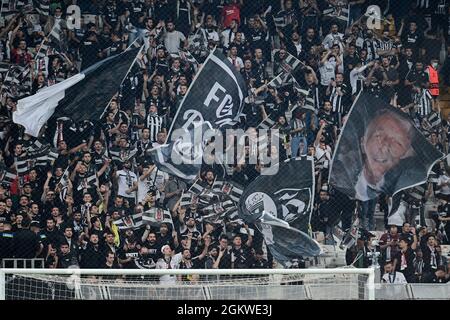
(174,40)
(334,37)
(127,183)
(234,59)
(327,68)
(391,276)
(169,261)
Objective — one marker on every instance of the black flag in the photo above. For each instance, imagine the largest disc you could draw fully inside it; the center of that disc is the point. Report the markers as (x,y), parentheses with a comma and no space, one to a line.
(216,96)
(184,156)
(281,209)
(379,151)
(81,97)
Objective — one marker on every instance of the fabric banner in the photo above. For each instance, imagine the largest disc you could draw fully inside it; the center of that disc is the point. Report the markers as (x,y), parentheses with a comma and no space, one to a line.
(281,209)
(379,151)
(216,96)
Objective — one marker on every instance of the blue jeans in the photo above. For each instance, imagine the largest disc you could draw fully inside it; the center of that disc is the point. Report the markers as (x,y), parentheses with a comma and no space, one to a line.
(295,145)
(367,214)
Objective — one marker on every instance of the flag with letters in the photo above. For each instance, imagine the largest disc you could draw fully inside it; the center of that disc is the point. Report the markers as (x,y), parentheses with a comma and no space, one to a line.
(216,96)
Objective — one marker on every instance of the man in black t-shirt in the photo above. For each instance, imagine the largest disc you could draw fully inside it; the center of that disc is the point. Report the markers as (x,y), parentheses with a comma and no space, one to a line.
(26,244)
(241,256)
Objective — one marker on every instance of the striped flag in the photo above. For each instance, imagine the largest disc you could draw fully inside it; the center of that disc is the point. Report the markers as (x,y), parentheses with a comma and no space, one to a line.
(56,37)
(41,152)
(23,165)
(130,222)
(337,12)
(17,82)
(42,7)
(280,21)
(290,63)
(88,182)
(122,155)
(266,124)
(64,180)
(156,216)
(231,189)
(7,176)
(63,183)
(37,154)
(276,82)
(197,188)
(417,192)
(186,56)
(434,119)
(186,199)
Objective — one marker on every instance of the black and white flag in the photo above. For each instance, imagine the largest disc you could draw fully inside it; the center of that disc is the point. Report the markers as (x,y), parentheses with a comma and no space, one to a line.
(56,37)
(434,119)
(156,216)
(267,123)
(337,12)
(130,222)
(186,199)
(17,82)
(279,81)
(197,188)
(281,208)
(279,21)
(379,151)
(7,176)
(184,156)
(228,188)
(290,63)
(216,96)
(81,97)
(88,182)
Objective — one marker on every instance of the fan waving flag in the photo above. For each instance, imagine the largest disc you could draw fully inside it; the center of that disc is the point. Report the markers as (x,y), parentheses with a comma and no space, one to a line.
(379,151)
(216,96)
(281,209)
(81,97)
(182,157)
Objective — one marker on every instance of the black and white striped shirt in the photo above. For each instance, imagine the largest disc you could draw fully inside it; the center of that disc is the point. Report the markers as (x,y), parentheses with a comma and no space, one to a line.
(423,101)
(386,45)
(337,100)
(154,123)
(442,7)
(423,4)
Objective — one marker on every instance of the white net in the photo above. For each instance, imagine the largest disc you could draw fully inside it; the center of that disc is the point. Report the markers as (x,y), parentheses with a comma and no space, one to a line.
(149,285)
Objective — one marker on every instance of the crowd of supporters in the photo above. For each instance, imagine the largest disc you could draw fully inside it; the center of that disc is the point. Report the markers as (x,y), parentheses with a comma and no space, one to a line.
(405,60)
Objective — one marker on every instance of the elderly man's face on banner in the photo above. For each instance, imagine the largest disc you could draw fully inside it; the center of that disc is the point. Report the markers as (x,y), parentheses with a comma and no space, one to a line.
(387,140)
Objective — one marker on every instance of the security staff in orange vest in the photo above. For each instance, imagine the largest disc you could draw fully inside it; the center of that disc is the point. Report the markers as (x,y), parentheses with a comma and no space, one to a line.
(433,77)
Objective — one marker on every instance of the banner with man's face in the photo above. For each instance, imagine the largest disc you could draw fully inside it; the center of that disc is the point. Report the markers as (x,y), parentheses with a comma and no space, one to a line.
(379,151)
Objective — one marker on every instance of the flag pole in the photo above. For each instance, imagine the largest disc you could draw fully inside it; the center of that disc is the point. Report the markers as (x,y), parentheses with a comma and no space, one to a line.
(129,70)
